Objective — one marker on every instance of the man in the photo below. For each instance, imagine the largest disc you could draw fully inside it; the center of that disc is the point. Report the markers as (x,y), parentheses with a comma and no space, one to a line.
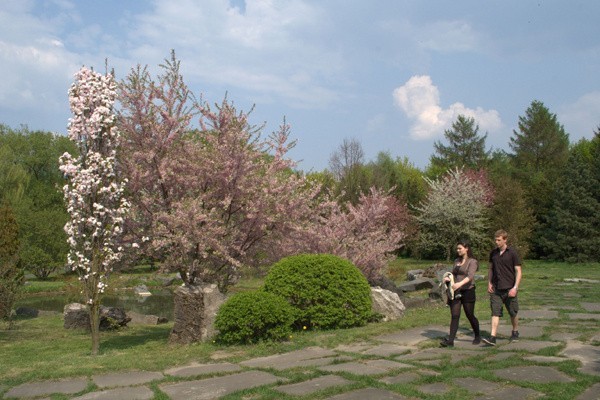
(504,277)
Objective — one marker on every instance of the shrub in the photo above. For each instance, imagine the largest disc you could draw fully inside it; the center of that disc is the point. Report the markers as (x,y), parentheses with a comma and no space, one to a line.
(249,317)
(327,292)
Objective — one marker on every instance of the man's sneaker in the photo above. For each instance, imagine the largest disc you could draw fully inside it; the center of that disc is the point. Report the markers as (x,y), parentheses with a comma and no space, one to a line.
(447,342)
(490,340)
(514,337)
(476,340)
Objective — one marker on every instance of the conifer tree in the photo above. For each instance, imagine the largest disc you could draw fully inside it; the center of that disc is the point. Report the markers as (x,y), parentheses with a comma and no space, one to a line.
(466,148)
(573,229)
(540,150)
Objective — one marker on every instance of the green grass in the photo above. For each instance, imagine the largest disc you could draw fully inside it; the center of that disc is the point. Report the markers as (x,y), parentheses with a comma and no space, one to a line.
(40,348)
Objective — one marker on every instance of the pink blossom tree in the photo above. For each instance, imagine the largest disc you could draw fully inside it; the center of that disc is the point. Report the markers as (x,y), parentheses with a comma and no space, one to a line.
(206,199)
(367,234)
(94,193)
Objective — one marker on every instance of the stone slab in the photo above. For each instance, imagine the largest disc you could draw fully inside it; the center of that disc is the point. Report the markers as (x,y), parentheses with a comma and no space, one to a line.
(126,378)
(368,394)
(414,336)
(476,385)
(45,388)
(202,369)
(564,336)
(591,307)
(427,354)
(387,350)
(213,388)
(311,356)
(583,352)
(513,393)
(123,393)
(435,388)
(369,367)
(402,378)
(590,368)
(354,347)
(531,346)
(313,385)
(584,316)
(536,374)
(592,393)
(538,314)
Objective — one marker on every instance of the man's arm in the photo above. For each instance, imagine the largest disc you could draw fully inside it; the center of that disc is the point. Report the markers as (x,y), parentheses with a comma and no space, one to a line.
(513,292)
(490,274)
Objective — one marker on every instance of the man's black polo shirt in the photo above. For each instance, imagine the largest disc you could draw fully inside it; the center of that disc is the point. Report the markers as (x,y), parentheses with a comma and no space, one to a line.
(503,268)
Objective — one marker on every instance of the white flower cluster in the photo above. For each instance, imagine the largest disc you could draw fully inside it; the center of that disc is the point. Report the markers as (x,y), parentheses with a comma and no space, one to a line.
(94,196)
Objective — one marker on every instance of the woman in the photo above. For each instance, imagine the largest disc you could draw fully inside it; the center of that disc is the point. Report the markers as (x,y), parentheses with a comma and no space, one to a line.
(464,289)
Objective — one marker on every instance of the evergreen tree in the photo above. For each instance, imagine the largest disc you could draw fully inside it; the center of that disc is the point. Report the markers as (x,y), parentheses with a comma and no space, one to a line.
(466,148)
(540,150)
(573,229)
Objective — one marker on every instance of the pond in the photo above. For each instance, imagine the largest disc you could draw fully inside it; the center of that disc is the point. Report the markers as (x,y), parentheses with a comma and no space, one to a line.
(160,303)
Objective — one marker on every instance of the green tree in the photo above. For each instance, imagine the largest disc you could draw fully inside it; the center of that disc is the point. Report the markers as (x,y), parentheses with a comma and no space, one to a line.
(40,212)
(400,176)
(540,150)
(510,210)
(13,180)
(466,148)
(573,229)
(11,275)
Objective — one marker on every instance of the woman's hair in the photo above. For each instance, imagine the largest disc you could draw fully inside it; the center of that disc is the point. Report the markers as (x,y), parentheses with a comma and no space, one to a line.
(467,245)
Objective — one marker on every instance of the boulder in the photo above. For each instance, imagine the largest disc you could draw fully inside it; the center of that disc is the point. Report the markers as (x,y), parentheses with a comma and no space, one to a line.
(414,274)
(417,284)
(387,303)
(28,312)
(112,318)
(76,316)
(386,283)
(195,310)
(143,319)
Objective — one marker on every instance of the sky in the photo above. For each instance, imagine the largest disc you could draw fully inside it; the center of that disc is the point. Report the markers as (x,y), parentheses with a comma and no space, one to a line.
(391,74)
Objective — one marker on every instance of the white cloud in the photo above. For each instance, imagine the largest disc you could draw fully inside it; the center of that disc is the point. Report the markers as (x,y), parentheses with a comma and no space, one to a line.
(259,49)
(582,117)
(419,98)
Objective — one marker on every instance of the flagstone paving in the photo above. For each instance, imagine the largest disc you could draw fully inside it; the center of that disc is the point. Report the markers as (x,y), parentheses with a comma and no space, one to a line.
(408,361)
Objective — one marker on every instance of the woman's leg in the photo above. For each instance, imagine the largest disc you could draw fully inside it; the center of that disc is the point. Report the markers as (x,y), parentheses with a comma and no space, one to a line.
(455,318)
(470,313)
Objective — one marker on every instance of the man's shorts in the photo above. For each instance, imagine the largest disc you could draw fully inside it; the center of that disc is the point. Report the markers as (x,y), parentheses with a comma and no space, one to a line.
(499,298)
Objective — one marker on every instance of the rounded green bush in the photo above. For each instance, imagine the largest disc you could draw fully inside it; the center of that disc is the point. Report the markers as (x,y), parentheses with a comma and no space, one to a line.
(250,317)
(327,292)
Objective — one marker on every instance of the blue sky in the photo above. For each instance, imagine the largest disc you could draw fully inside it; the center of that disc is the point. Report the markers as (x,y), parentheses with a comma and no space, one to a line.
(392,74)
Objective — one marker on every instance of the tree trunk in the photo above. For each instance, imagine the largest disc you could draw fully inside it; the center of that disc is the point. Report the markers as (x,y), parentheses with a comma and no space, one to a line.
(95,326)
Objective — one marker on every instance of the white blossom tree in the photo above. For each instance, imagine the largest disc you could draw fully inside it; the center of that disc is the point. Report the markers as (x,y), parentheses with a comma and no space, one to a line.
(94,194)
(456,208)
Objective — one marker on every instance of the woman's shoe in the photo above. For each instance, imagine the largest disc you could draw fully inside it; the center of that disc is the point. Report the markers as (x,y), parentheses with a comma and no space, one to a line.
(477,340)
(447,342)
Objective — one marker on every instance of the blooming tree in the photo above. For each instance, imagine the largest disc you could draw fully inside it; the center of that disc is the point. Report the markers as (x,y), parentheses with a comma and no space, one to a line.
(94,193)
(207,199)
(366,233)
(456,208)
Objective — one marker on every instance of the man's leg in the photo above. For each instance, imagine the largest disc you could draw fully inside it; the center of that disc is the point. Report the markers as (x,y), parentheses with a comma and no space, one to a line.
(515,323)
(495,322)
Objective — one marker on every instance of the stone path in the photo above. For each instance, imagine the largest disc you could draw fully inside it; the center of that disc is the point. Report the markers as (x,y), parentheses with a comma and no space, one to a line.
(404,365)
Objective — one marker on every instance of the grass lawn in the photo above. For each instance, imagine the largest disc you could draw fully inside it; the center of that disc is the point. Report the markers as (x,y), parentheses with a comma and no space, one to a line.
(40,348)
